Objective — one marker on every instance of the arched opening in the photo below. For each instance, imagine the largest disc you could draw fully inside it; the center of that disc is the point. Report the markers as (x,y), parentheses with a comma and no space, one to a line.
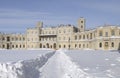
(59,46)
(40,45)
(8,46)
(47,45)
(43,46)
(100,45)
(112,44)
(64,46)
(20,46)
(54,45)
(51,46)
(75,45)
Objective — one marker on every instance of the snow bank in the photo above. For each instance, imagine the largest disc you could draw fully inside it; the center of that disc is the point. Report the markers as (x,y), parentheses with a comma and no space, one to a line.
(24,69)
(61,66)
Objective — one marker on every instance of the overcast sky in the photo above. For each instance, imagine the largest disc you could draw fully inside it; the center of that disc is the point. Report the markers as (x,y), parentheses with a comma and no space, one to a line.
(18,15)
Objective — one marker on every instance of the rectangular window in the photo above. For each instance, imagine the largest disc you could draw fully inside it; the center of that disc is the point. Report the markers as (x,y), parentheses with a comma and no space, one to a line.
(112,32)
(106,34)
(100,33)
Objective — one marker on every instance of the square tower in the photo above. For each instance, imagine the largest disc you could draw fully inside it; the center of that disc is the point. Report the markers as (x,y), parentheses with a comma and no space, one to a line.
(39,24)
(81,24)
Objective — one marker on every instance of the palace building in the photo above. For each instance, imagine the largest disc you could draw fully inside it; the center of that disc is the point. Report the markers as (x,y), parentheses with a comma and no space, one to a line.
(105,37)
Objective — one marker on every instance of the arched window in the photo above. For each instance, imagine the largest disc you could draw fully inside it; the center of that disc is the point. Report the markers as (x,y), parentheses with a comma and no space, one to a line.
(112,44)
(59,46)
(40,45)
(64,46)
(20,46)
(16,46)
(75,45)
(100,45)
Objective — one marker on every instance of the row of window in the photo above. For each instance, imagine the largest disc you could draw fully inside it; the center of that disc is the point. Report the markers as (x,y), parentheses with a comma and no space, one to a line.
(48,39)
(76,46)
(13,39)
(106,33)
(13,46)
(106,44)
(48,32)
(84,36)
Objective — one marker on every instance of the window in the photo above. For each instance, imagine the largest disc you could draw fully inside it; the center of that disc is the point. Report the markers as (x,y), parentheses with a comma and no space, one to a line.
(16,38)
(83,45)
(20,46)
(75,37)
(23,38)
(16,46)
(64,46)
(100,33)
(23,46)
(106,44)
(112,32)
(3,46)
(83,36)
(112,44)
(80,37)
(81,26)
(12,46)
(90,35)
(75,45)
(81,21)
(87,36)
(59,46)
(100,45)
(3,38)
(106,34)
(79,45)
(8,38)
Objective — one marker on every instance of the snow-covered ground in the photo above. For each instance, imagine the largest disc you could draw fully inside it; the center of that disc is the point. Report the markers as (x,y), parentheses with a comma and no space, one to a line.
(60,64)
(102,64)
(19,55)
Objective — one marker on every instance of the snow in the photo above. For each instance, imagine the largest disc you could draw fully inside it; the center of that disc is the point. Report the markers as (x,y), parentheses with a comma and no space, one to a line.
(97,63)
(46,63)
(17,55)
(61,66)
(24,69)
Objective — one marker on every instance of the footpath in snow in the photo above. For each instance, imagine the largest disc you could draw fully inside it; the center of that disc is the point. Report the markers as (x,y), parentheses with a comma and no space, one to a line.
(61,66)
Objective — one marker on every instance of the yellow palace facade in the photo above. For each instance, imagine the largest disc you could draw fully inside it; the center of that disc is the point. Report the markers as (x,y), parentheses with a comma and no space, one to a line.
(64,36)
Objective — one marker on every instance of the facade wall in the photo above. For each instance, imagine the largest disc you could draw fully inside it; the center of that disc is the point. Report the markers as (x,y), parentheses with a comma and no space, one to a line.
(64,36)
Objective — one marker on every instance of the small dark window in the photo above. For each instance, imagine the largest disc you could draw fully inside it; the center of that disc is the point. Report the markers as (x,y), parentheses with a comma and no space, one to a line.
(81,26)
(100,45)
(81,21)
(75,45)
(59,46)
(112,44)
(64,46)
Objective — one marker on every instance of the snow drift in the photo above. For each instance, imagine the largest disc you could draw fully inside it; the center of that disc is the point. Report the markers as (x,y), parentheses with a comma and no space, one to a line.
(24,69)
